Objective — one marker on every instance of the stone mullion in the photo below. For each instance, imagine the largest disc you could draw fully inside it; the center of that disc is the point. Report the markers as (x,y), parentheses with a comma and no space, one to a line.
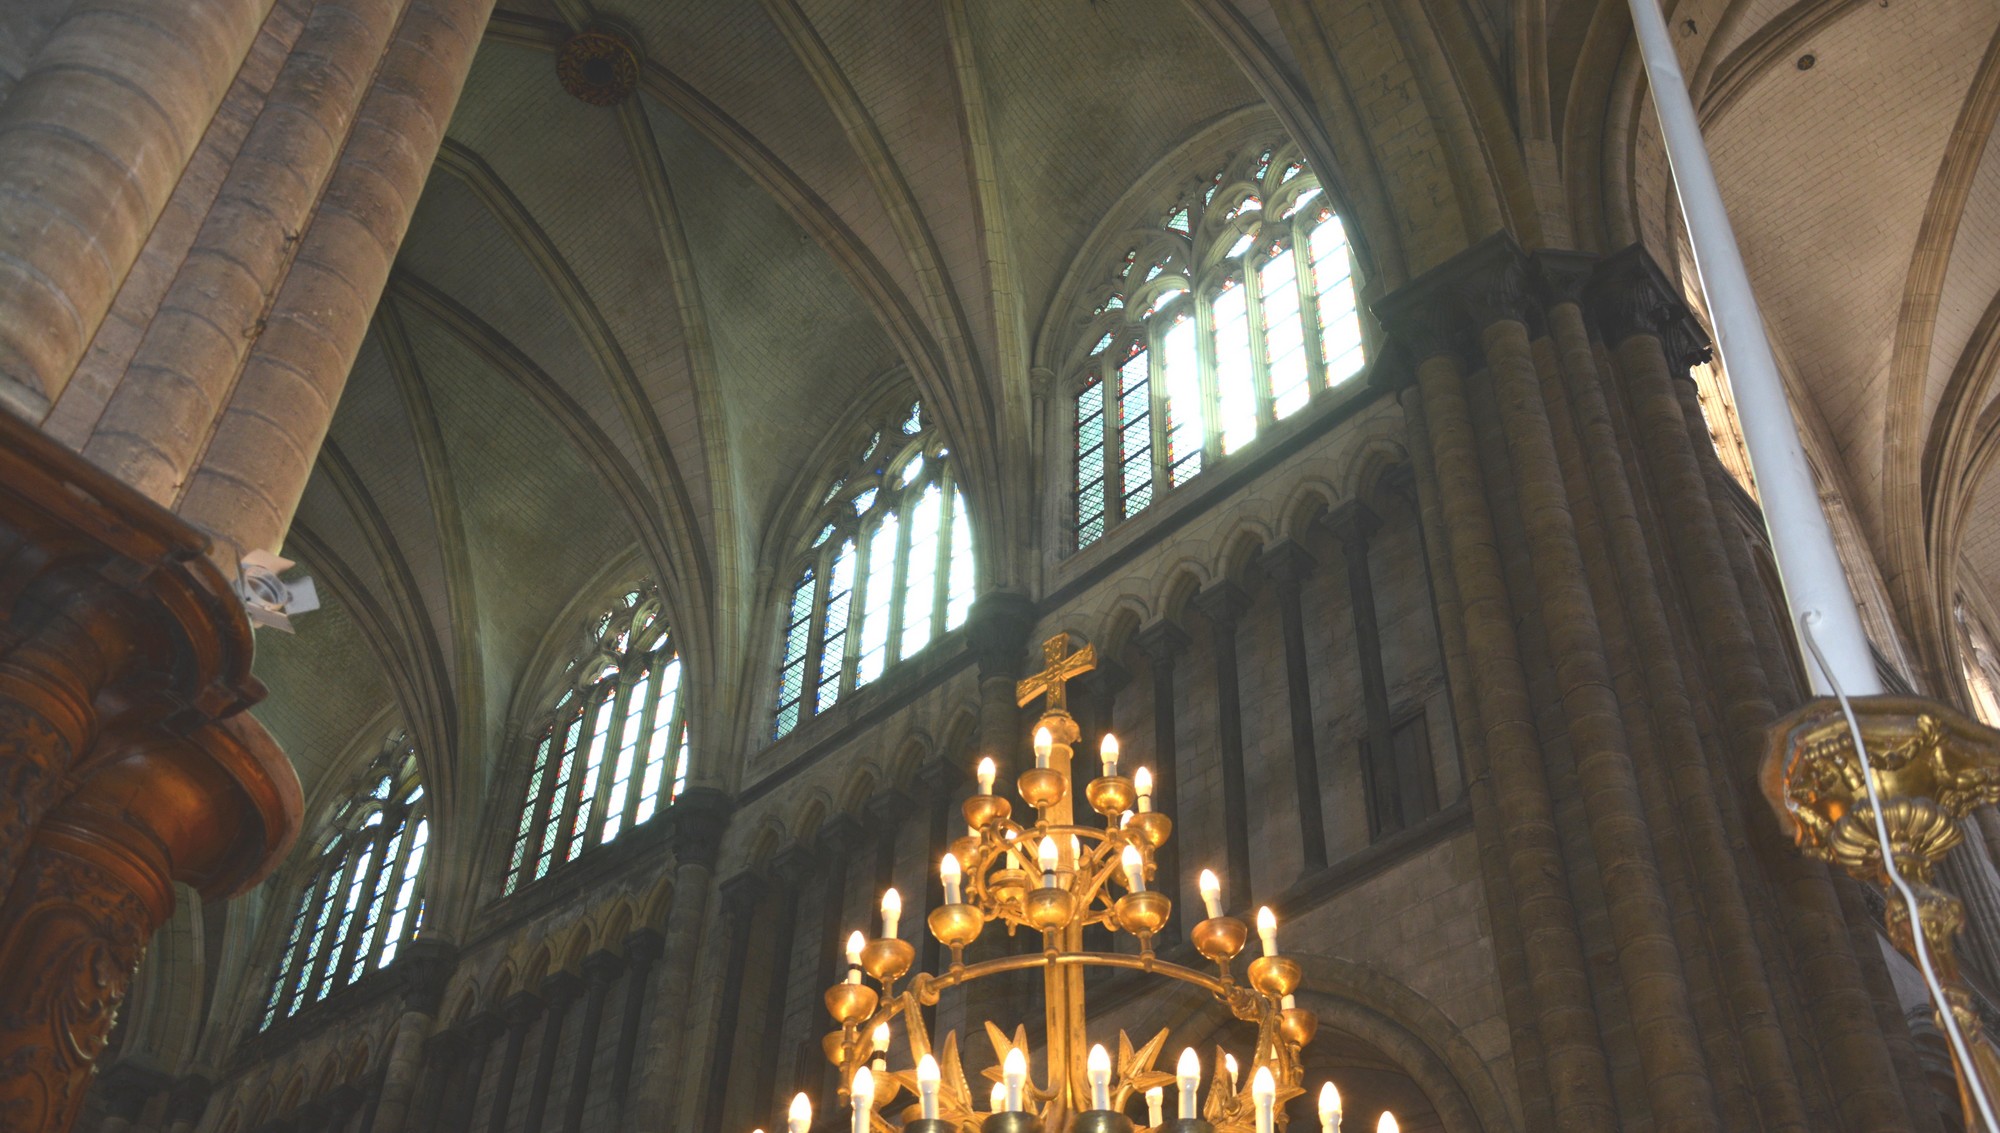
(538,836)
(1260,356)
(352,945)
(740,897)
(614,742)
(579,773)
(816,630)
(329,942)
(1224,605)
(899,574)
(1696,821)
(560,991)
(1307,287)
(857,603)
(941,586)
(649,722)
(642,947)
(1288,565)
(1162,642)
(521,1009)
(1848,1033)
(599,970)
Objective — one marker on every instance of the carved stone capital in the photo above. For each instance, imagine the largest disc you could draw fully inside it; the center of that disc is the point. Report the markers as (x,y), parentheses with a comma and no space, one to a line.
(560,988)
(1630,295)
(1107,680)
(1223,603)
(1442,311)
(1162,642)
(839,835)
(446,1047)
(1353,523)
(1562,276)
(888,809)
(425,966)
(741,893)
(700,815)
(522,1008)
(643,946)
(938,778)
(601,967)
(792,865)
(1287,563)
(997,629)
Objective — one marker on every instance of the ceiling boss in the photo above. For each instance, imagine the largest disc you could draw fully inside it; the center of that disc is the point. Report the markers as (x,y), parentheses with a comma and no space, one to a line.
(1054,875)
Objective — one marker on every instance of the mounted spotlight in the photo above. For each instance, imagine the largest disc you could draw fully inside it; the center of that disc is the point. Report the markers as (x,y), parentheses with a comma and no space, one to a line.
(268,599)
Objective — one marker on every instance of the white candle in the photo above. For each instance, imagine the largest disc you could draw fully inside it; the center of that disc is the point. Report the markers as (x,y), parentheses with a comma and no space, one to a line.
(986,773)
(1289,1002)
(1156,1107)
(1099,1065)
(1211,893)
(1044,743)
(1387,1123)
(1142,782)
(999,1097)
(863,1092)
(1229,1066)
(1187,1075)
(1014,1073)
(927,1086)
(1329,1109)
(880,1040)
(1135,869)
(1047,859)
(1264,1092)
(855,942)
(1107,754)
(949,871)
(892,912)
(1124,819)
(1267,930)
(800,1118)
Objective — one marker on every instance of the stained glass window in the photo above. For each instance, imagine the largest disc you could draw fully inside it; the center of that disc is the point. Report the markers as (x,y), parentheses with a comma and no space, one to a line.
(896,575)
(604,751)
(337,932)
(1268,321)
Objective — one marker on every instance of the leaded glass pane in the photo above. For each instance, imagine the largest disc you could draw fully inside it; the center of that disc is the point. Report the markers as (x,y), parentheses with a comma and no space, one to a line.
(1135,433)
(833,651)
(1284,333)
(920,586)
(1339,319)
(881,593)
(958,599)
(792,670)
(628,757)
(1181,361)
(1090,463)
(593,772)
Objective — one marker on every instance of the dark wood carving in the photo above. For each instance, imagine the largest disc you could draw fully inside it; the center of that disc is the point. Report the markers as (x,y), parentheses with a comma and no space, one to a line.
(127,762)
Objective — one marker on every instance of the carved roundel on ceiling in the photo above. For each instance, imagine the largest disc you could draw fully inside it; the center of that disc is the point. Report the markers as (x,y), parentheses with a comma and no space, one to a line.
(598,68)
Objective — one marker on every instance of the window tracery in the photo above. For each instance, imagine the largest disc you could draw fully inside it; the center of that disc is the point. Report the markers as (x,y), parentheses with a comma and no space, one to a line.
(614,748)
(1244,308)
(889,568)
(360,904)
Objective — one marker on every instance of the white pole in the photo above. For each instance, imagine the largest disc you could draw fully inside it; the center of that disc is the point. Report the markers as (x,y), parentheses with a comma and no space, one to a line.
(1815,584)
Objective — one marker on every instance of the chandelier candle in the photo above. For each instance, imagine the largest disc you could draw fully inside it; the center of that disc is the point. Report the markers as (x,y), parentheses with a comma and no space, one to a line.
(1046,857)
(1156,1106)
(1100,1077)
(1135,869)
(1264,1093)
(1229,1068)
(986,773)
(1045,742)
(1329,1109)
(892,914)
(927,1087)
(855,943)
(949,872)
(800,1119)
(863,1092)
(1387,1123)
(1187,1075)
(998,1096)
(1107,754)
(1211,894)
(1267,929)
(1142,783)
(1014,1075)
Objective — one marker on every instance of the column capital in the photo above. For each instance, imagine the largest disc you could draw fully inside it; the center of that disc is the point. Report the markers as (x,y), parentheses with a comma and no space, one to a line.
(741,893)
(601,967)
(840,834)
(1630,296)
(560,988)
(1562,276)
(522,1008)
(425,966)
(997,629)
(1223,603)
(792,865)
(1162,641)
(938,778)
(889,808)
(1353,523)
(643,946)
(700,816)
(1108,678)
(1287,563)
(1442,311)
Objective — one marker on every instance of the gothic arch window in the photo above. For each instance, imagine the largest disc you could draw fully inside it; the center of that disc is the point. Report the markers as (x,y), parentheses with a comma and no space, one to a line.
(360,904)
(1227,311)
(614,748)
(889,567)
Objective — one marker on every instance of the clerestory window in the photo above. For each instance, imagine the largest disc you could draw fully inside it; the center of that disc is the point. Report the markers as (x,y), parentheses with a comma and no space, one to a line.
(888,568)
(360,904)
(1232,307)
(614,748)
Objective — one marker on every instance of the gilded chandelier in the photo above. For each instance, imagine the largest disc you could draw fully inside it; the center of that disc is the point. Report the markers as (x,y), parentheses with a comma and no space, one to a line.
(1056,876)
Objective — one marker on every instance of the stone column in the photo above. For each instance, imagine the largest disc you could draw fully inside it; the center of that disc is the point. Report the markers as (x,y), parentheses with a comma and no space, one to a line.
(1391,805)
(261,450)
(93,138)
(838,838)
(425,966)
(937,784)
(339,1107)
(126,1090)
(791,867)
(444,1053)
(997,632)
(700,815)
(1162,642)
(1288,566)
(520,1009)
(188,1102)
(559,991)
(740,896)
(642,947)
(888,810)
(1223,604)
(1100,689)
(599,970)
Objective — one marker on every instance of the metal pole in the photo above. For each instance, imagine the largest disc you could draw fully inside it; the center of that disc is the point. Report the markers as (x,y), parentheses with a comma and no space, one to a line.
(1815,584)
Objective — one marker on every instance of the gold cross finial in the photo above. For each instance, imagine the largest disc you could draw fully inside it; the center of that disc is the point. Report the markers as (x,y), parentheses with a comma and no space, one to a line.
(1058,666)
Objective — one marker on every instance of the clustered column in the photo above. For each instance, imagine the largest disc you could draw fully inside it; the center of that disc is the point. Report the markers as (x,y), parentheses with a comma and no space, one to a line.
(1162,642)
(1223,604)
(1288,566)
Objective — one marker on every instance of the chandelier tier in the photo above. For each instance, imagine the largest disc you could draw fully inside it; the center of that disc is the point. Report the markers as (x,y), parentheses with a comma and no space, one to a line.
(1053,875)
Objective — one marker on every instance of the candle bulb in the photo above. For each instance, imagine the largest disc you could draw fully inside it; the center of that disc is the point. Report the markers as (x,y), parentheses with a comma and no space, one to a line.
(1329,1109)
(986,772)
(1264,1093)
(1107,754)
(1014,1073)
(1387,1123)
(1187,1075)
(1289,1002)
(1099,1065)
(855,942)
(1211,893)
(800,1118)
(1044,743)
(927,1086)
(1142,782)
(1124,819)
(949,871)
(1229,1067)
(999,1097)
(880,1040)
(1047,859)
(1267,930)
(1156,1107)
(863,1092)
(892,912)
(1135,869)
